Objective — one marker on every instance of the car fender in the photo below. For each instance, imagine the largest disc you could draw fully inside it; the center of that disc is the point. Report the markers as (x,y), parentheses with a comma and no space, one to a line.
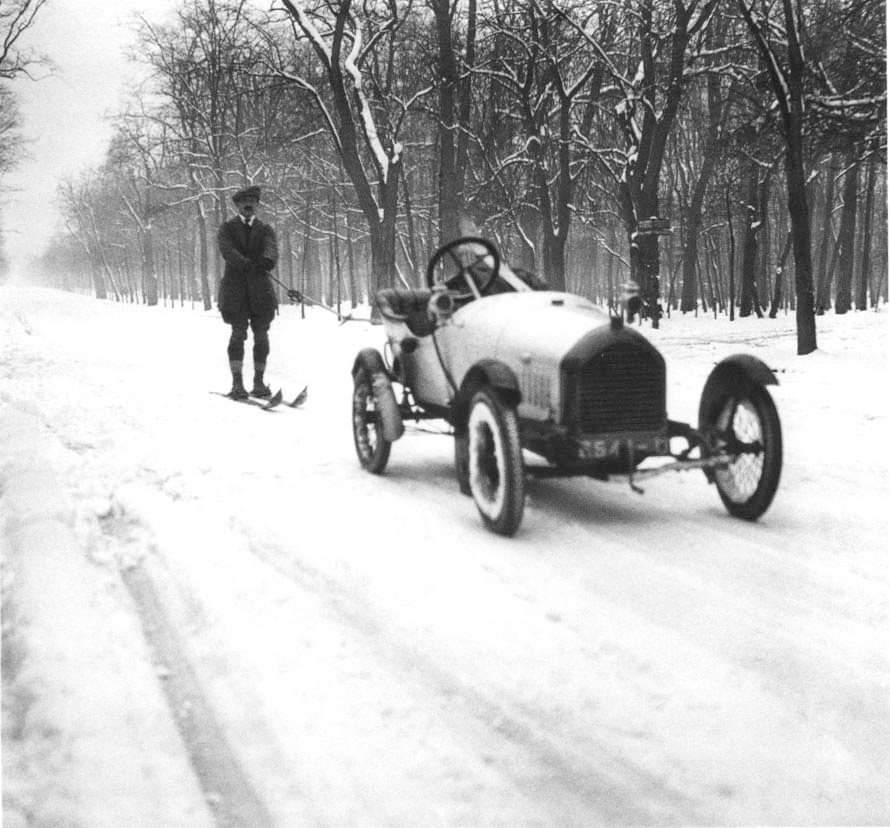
(488,372)
(371,360)
(739,372)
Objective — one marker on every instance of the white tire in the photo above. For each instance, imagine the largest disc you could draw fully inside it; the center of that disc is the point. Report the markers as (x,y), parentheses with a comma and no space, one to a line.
(496,473)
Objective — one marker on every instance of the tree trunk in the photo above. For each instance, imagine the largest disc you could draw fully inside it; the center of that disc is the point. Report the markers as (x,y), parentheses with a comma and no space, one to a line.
(762,273)
(881,288)
(865,262)
(847,236)
(610,271)
(554,258)
(412,236)
(449,187)
(690,252)
(709,271)
(748,302)
(203,256)
(220,210)
(556,234)
(289,258)
(106,269)
(715,269)
(149,275)
(304,259)
(788,87)
(780,275)
(98,280)
(645,272)
(694,212)
(180,267)
(528,222)
(800,226)
(350,263)
(823,296)
(644,266)
(384,263)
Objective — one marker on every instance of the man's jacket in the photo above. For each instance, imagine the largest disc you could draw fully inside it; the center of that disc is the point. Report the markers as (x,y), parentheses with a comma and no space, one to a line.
(246,290)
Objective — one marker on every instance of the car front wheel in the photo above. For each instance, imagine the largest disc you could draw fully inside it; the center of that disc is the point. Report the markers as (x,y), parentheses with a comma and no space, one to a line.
(495,470)
(367,428)
(747,428)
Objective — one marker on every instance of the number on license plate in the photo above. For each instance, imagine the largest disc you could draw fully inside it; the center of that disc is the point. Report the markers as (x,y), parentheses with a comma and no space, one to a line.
(605,448)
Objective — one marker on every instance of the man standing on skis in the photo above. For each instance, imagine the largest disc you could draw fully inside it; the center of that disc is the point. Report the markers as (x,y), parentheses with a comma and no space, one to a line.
(246,295)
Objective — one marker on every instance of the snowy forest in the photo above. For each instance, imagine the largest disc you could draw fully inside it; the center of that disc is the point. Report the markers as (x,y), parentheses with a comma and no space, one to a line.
(728,156)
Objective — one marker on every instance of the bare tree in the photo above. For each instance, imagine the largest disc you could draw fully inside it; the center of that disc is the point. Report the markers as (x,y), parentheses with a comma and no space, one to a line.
(87,215)
(10,139)
(363,103)
(202,69)
(846,242)
(664,40)
(553,80)
(454,83)
(586,119)
(786,68)
(865,283)
(139,168)
(16,17)
(711,105)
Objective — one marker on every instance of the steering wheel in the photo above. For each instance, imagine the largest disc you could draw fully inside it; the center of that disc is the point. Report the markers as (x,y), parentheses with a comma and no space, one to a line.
(468,264)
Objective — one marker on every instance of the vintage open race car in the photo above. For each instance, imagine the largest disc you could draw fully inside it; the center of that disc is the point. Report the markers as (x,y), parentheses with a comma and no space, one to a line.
(539,382)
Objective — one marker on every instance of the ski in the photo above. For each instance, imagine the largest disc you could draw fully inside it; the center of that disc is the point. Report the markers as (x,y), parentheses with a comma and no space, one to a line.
(258,402)
(300,398)
(268,402)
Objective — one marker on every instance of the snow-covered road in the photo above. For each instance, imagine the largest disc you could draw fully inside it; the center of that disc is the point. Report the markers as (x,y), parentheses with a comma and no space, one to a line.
(213,616)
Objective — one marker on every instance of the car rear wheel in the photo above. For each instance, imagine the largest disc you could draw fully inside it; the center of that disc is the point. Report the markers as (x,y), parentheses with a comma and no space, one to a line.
(746,426)
(367,428)
(494,459)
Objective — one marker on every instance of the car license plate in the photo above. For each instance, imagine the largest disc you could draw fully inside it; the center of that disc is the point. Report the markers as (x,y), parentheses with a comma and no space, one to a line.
(605,448)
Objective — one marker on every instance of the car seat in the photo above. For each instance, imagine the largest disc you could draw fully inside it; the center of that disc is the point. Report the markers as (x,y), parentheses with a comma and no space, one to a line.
(408,306)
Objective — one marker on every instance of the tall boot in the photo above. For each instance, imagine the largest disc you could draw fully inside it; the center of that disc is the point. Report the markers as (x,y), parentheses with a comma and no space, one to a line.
(238,392)
(260,389)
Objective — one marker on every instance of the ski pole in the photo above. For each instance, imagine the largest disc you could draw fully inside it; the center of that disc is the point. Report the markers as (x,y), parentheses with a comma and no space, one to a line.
(297,296)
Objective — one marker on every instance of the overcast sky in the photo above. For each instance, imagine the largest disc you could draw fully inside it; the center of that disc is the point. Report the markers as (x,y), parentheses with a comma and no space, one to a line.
(65,115)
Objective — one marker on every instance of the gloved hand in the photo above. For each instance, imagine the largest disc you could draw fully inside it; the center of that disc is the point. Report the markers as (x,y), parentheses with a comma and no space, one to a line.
(294,295)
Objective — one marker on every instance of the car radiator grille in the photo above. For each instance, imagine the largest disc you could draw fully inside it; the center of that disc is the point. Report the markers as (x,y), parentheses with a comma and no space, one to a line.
(621,389)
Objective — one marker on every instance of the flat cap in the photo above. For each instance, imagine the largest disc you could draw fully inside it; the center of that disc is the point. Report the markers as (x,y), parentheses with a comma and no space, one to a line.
(247,192)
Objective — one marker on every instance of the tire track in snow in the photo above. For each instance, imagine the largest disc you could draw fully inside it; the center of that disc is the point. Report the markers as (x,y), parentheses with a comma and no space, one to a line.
(579,786)
(222,779)
(752,599)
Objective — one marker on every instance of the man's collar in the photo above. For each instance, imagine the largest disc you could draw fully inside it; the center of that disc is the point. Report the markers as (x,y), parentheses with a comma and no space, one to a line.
(249,222)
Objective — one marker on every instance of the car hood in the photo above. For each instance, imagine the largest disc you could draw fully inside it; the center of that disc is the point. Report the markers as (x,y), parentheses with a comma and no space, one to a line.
(545,324)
